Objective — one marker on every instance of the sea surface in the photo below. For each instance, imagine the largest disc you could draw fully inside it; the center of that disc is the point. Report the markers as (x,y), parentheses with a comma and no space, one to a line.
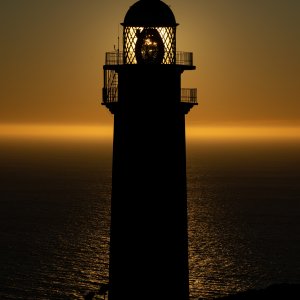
(244,216)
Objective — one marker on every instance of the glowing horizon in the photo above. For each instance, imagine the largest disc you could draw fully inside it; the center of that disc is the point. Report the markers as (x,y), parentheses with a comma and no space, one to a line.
(74,132)
(48,131)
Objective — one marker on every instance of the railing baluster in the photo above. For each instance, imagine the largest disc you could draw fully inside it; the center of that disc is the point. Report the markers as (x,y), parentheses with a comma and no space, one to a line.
(182,58)
(188,95)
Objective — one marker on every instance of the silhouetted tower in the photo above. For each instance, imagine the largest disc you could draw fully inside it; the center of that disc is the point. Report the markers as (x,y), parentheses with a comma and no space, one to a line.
(142,88)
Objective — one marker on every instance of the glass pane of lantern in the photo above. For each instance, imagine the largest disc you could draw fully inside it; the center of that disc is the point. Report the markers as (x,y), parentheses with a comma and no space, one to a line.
(167,35)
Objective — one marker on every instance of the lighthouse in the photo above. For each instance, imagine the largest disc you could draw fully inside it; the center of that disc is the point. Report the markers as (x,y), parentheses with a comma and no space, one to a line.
(148,256)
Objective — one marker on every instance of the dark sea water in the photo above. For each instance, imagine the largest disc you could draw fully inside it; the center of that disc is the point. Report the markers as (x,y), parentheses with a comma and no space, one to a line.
(244,216)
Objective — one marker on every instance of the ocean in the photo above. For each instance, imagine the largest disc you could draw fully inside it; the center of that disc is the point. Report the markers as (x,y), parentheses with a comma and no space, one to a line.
(243,206)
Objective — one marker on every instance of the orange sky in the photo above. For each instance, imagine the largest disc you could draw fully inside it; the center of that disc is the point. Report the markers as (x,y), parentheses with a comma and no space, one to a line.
(247,55)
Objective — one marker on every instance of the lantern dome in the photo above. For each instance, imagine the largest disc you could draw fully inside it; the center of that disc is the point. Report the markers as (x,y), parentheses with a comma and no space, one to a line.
(150,13)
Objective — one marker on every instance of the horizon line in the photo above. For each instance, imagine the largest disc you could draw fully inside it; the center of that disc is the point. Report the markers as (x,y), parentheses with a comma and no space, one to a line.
(206,132)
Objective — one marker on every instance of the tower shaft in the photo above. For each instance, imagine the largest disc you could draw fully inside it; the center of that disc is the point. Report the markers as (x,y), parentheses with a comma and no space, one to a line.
(149,240)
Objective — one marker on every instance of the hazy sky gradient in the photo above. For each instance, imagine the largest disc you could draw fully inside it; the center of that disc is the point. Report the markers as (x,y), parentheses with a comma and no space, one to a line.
(247,54)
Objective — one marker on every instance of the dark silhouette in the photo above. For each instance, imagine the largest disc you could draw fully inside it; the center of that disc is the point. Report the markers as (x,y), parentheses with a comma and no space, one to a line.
(89,295)
(103,289)
(149,242)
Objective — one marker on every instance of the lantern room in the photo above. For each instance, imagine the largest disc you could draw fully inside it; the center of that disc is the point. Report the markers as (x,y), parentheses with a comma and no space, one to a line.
(149,34)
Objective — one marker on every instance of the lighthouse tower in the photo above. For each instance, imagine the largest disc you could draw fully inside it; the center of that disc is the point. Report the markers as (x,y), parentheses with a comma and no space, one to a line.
(142,89)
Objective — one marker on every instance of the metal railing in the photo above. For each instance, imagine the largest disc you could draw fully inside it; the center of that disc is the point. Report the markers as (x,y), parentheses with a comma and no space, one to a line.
(184,58)
(110,90)
(110,95)
(116,58)
(189,96)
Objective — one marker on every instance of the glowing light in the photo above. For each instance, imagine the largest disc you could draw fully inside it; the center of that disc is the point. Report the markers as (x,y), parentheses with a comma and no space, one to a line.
(36,131)
(243,133)
(167,35)
(149,42)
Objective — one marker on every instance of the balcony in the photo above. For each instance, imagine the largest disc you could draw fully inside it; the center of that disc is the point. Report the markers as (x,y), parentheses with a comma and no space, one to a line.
(188,96)
(116,58)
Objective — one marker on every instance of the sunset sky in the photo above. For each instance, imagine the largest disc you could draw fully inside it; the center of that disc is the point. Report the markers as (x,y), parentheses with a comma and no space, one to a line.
(246,52)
